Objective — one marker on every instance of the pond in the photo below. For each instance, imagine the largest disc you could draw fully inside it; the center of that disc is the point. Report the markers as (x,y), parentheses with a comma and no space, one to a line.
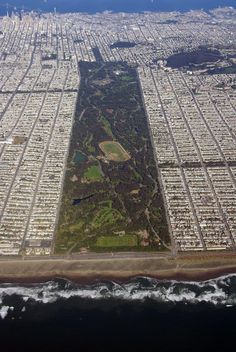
(79,157)
(77,201)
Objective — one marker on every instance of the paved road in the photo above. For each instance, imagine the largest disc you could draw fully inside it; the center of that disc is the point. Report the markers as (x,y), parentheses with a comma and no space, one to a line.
(92,256)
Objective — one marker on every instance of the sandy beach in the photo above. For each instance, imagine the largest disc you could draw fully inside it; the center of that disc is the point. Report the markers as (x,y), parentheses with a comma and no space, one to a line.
(120,267)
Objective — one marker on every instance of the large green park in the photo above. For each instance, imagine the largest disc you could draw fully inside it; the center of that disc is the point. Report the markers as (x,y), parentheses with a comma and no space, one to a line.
(111,198)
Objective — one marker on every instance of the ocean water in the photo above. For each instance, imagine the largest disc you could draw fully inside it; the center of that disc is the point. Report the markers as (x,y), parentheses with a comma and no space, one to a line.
(142,314)
(93,6)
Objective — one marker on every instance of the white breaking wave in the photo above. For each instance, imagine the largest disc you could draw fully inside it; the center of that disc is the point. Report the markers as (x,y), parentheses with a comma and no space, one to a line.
(4,311)
(221,291)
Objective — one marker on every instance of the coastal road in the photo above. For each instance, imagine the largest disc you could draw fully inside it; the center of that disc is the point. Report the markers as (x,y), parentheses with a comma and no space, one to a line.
(93,256)
(118,266)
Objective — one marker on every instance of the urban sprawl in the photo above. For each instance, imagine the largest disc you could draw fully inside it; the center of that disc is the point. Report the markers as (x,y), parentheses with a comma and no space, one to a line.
(191,115)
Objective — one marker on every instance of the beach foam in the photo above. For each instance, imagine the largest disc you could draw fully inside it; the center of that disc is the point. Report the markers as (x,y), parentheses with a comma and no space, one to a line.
(220,291)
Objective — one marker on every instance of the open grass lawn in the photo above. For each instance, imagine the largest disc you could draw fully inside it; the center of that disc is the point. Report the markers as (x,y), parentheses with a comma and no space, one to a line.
(106,125)
(126,78)
(114,151)
(117,241)
(93,173)
(76,227)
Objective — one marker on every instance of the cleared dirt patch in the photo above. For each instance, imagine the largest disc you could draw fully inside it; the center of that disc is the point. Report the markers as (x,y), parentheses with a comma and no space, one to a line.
(17,140)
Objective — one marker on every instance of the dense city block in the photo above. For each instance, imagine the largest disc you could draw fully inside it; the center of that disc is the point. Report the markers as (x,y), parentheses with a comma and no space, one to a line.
(183,66)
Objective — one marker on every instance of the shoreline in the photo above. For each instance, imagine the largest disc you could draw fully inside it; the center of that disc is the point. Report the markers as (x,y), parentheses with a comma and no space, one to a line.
(48,9)
(87,270)
(122,278)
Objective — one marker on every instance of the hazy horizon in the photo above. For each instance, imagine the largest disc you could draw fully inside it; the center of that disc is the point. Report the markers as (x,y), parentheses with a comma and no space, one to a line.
(112,5)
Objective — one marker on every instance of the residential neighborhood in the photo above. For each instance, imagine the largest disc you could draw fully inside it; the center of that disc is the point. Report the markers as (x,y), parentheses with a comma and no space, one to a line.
(190,107)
